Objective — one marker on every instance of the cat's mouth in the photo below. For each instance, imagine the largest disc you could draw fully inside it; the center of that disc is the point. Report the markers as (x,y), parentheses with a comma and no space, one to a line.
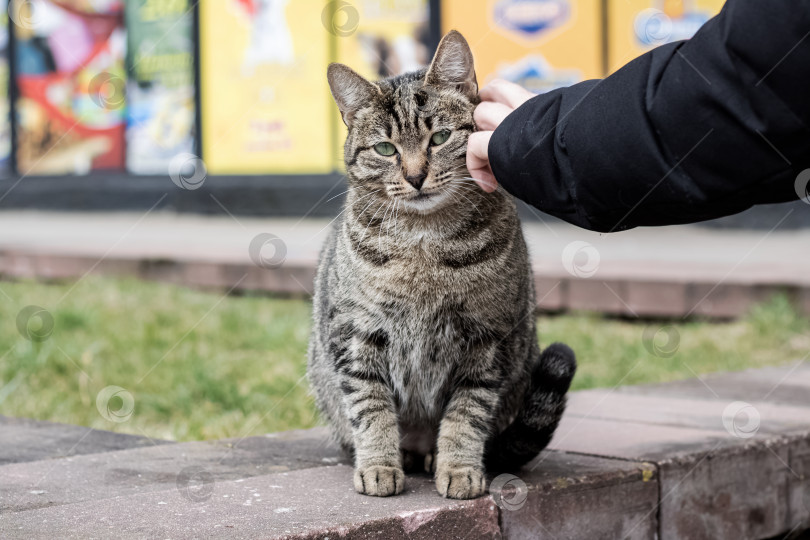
(425,202)
(421,196)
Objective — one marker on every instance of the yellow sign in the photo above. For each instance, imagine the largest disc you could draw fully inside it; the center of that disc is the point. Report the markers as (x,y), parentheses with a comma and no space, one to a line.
(377,39)
(265,99)
(637,26)
(540,44)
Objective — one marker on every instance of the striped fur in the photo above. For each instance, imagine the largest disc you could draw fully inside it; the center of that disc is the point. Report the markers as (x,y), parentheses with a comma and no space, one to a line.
(424,350)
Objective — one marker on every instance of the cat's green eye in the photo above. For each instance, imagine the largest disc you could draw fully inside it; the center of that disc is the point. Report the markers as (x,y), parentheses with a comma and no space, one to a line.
(440,137)
(385,149)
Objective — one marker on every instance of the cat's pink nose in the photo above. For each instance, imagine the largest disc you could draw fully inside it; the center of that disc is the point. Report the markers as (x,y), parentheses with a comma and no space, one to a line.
(416,180)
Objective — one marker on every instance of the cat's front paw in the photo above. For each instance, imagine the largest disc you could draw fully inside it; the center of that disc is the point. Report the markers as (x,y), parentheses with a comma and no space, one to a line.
(379,480)
(460,482)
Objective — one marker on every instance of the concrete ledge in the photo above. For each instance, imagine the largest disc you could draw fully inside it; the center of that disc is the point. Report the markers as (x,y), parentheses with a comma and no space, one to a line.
(732,450)
(98,476)
(628,296)
(30,440)
(570,496)
(668,272)
(661,461)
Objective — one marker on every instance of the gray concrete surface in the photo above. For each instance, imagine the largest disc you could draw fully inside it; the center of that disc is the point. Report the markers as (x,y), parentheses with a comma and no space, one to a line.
(657,461)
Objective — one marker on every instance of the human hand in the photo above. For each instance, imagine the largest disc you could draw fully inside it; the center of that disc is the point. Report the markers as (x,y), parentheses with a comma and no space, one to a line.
(498,99)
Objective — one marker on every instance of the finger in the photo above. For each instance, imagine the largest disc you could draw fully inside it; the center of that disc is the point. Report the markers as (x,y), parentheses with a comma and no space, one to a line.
(478,161)
(489,115)
(478,148)
(505,92)
(485,180)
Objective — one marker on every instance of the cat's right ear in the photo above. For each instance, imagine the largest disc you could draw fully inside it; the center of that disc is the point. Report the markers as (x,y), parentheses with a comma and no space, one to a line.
(351,91)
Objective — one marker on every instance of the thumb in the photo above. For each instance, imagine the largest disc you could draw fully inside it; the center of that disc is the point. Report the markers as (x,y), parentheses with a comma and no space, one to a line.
(478,160)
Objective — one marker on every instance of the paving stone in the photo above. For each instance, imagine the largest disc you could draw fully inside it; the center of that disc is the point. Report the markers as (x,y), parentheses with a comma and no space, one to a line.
(205,274)
(788,384)
(747,492)
(713,484)
(566,496)
(23,440)
(635,440)
(560,485)
(597,295)
(799,504)
(551,293)
(673,410)
(652,298)
(723,300)
(104,475)
(577,496)
(310,503)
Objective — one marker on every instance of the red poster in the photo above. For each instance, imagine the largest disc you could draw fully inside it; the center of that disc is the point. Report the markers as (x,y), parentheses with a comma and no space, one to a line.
(71,82)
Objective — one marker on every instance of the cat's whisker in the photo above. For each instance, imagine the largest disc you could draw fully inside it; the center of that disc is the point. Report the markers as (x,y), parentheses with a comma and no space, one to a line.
(346,207)
(393,210)
(455,190)
(363,197)
(469,201)
(466,182)
(453,194)
(370,222)
(396,217)
(336,196)
(380,233)
(364,209)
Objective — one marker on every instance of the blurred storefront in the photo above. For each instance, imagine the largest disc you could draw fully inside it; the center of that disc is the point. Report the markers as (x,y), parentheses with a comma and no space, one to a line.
(100,97)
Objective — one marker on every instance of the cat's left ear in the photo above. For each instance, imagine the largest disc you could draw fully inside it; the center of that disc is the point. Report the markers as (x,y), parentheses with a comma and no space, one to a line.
(351,91)
(453,66)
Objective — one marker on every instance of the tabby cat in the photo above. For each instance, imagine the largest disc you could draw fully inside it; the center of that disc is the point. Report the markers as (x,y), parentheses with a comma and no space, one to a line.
(424,352)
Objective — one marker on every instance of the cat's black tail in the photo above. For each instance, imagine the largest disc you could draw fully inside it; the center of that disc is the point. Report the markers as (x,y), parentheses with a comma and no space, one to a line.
(542,409)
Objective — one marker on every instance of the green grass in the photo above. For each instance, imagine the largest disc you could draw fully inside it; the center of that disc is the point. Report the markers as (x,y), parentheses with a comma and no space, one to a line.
(200,366)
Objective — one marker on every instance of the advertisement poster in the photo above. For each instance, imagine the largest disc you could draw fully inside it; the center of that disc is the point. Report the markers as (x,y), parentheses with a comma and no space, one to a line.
(378,39)
(265,100)
(637,26)
(160,84)
(5,103)
(539,44)
(71,80)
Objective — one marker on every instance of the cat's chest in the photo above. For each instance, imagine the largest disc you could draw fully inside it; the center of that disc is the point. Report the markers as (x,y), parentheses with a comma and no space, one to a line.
(419,384)
(425,353)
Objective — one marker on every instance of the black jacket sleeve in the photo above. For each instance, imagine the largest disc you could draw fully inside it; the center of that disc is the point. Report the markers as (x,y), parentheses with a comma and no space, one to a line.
(690,131)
